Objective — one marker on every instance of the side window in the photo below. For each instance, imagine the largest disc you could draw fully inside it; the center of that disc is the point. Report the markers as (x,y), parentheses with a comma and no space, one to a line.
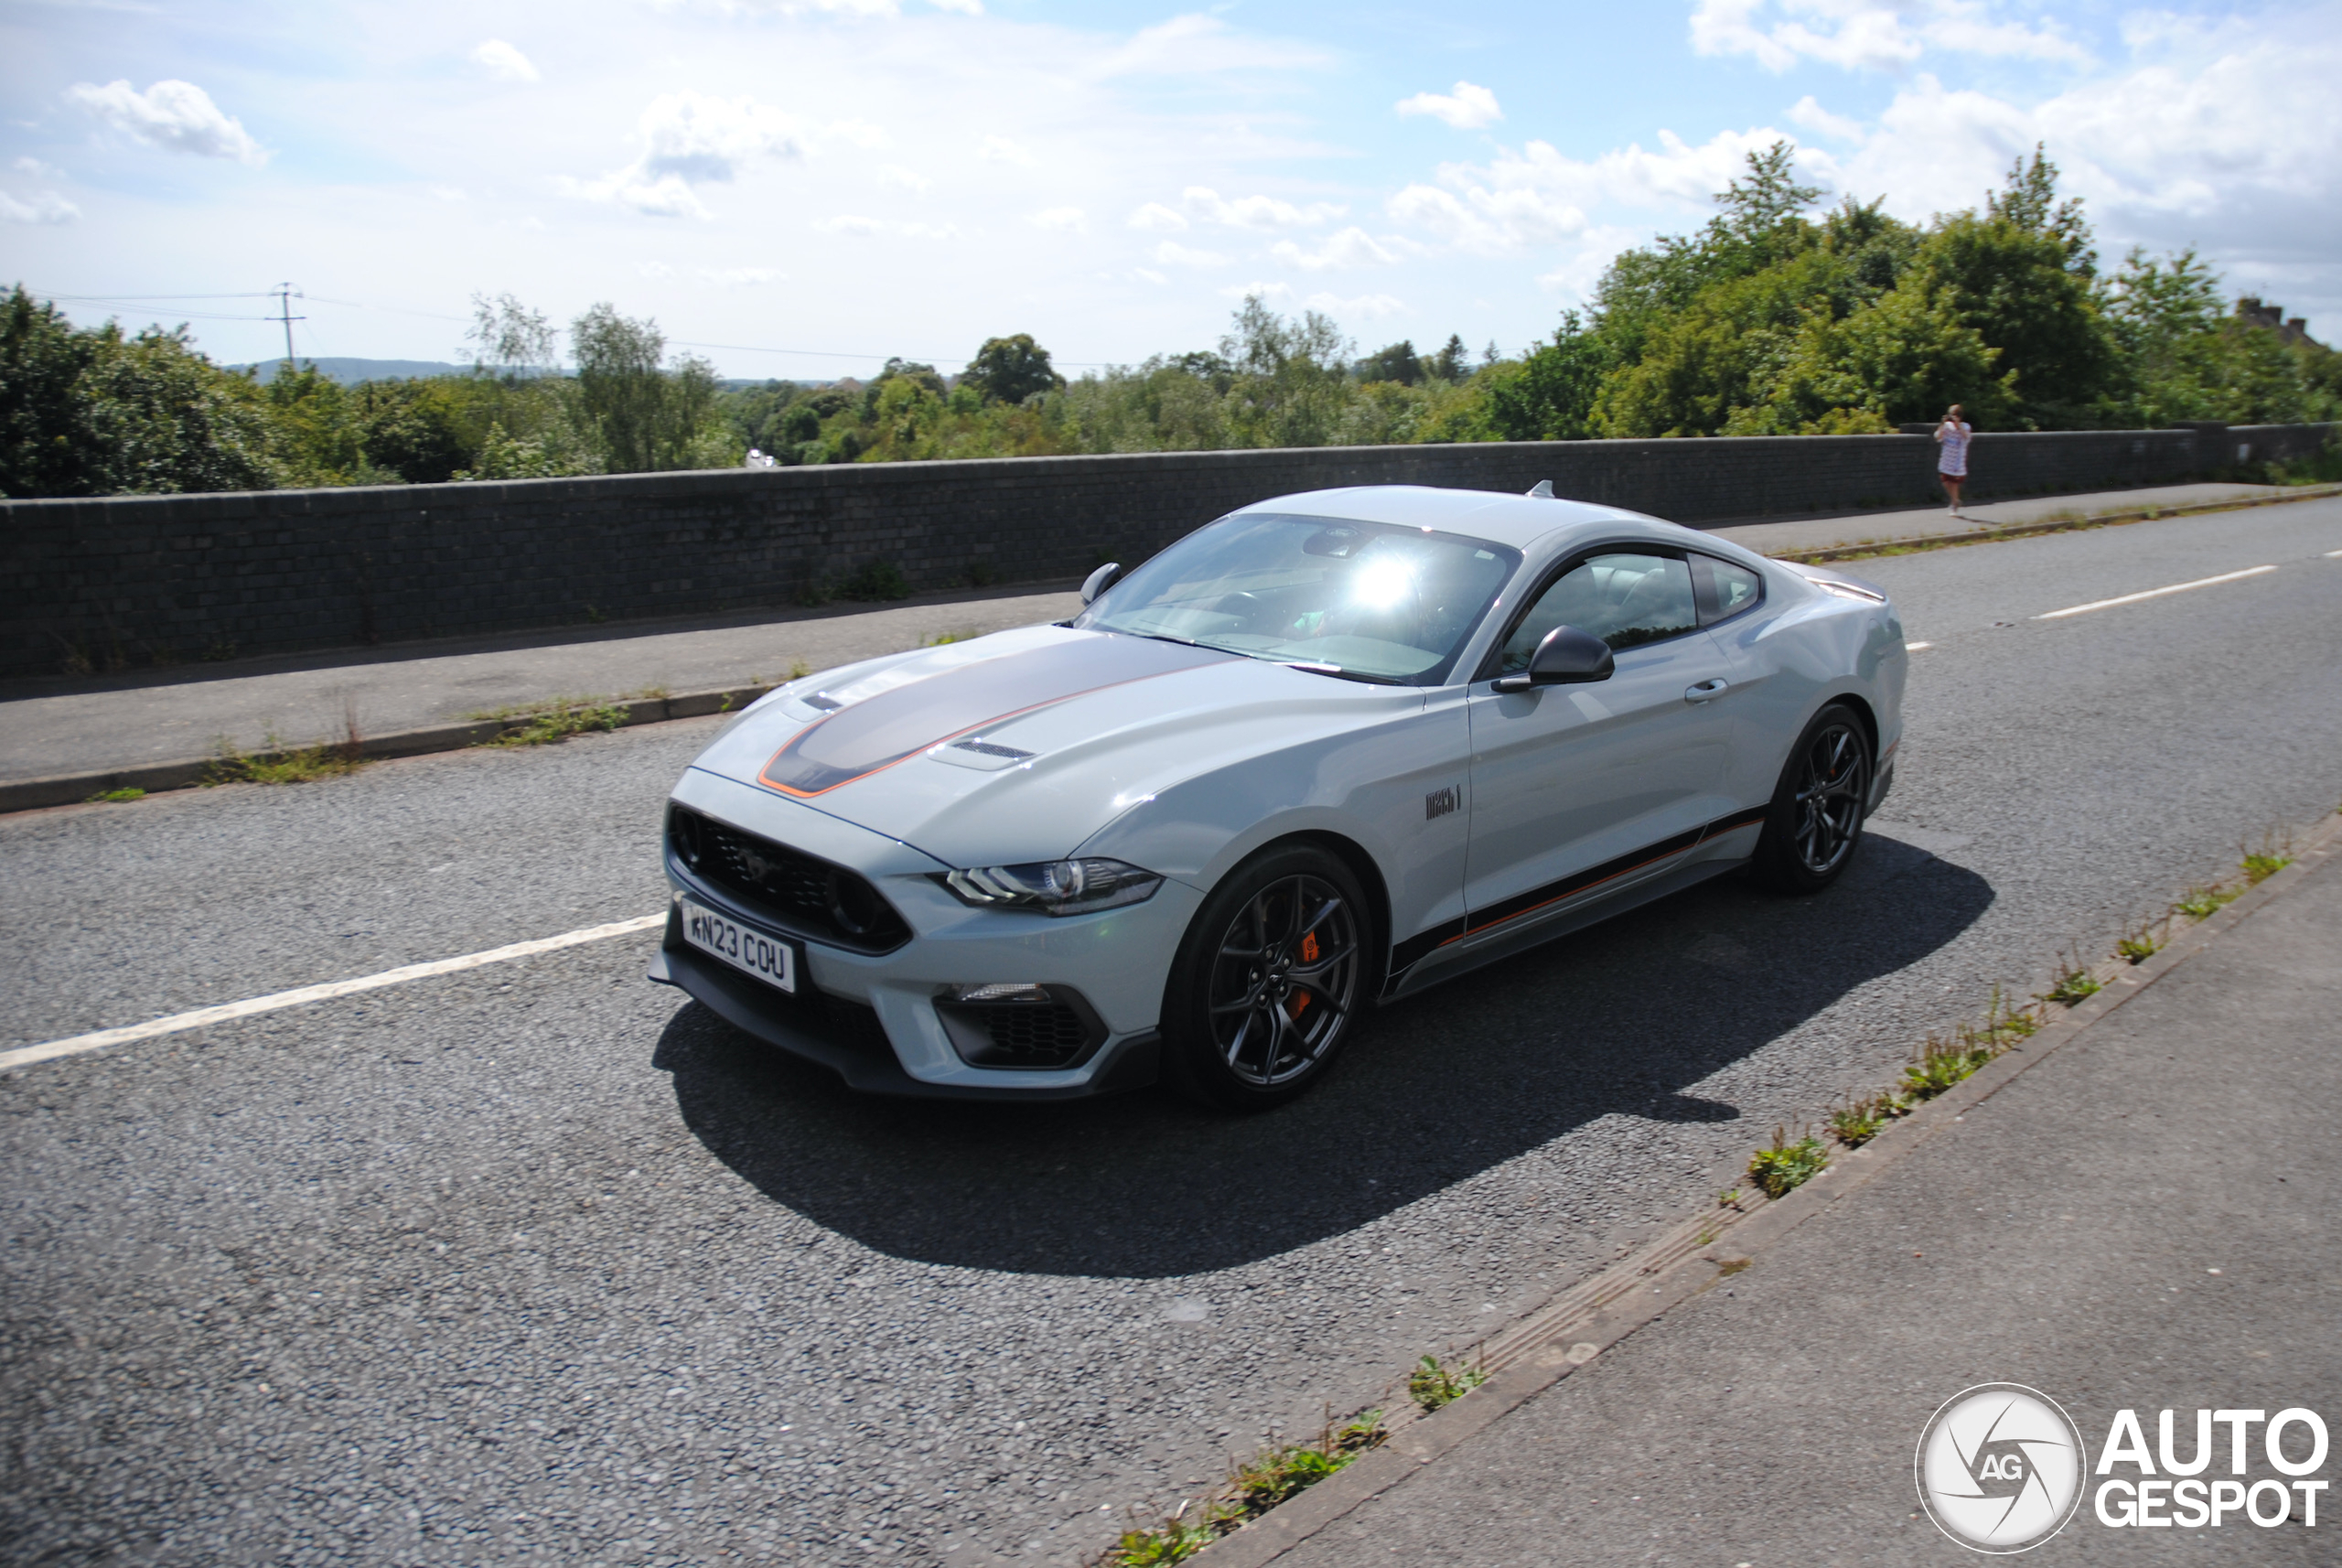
(1725,589)
(1625,598)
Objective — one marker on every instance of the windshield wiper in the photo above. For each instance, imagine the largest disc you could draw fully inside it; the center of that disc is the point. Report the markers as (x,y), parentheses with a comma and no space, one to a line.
(1339,674)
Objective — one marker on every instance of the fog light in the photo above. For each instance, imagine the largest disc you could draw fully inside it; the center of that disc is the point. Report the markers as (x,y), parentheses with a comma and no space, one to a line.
(1001,993)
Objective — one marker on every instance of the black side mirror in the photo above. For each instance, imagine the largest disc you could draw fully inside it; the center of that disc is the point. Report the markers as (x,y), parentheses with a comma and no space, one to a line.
(1101,580)
(1566,657)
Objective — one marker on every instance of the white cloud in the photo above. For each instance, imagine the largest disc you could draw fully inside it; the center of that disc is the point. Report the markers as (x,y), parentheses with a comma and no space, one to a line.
(176,116)
(1352,247)
(655,269)
(1809,113)
(1177,255)
(1149,274)
(1364,307)
(897,175)
(1001,150)
(1157,219)
(689,138)
(856,227)
(858,133)
(884,8)
(1264,290)
(1064,220)
(1867,34)
(503,61)
(1467,108)
(1257,211)
(450,193)
(1536,196)
(741,278)
(44,207)
(1198,45)
(37,170)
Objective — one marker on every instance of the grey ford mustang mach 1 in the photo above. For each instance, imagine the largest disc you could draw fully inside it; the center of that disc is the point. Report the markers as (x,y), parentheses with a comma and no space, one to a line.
(1330,748)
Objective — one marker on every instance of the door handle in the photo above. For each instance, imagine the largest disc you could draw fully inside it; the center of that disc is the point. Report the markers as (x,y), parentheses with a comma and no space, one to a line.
(1712,687)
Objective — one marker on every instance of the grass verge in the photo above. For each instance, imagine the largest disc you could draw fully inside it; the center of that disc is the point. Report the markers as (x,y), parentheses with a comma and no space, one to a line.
(547,723)
(1254,1487)
(276,763)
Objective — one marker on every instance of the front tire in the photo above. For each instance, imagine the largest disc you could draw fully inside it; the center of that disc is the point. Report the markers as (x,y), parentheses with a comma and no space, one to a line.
(1268,982)
(1815,821)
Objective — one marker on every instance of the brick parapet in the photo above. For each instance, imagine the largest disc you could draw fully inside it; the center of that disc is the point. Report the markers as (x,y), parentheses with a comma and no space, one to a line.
(281,571)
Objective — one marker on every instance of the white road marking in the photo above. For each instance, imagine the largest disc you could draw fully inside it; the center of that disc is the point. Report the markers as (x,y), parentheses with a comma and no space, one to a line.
(1914,647)
(2154,593)
(75,1045)
(2332,553)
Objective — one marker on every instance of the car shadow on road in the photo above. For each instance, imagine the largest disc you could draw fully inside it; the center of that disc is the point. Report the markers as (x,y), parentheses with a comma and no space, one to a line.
(1618,1020)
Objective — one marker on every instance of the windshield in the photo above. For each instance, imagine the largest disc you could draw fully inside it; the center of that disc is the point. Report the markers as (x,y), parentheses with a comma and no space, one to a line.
(1364,600)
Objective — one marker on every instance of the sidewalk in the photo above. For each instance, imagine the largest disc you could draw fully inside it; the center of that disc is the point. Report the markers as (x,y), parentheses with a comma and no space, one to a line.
(2142,1219)
(92,725)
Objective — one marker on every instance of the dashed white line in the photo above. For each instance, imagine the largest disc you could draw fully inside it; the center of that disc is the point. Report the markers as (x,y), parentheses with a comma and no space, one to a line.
(2332,553)
(1914,647)
(2154,593)
(76,1045)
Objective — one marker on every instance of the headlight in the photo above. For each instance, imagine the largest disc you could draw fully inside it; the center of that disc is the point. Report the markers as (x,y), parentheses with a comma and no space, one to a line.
(1054,886)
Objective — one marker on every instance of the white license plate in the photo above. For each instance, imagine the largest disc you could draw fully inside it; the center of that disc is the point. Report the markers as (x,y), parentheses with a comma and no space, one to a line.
(773,960)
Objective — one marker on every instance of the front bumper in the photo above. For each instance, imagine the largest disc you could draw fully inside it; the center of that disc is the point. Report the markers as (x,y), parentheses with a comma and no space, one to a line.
(873,1018)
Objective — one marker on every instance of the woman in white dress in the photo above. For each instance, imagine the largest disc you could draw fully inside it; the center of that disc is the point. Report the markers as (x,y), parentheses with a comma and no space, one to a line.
(1951,459)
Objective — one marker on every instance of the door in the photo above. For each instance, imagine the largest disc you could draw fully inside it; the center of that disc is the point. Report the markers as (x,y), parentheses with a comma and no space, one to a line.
(1581,791)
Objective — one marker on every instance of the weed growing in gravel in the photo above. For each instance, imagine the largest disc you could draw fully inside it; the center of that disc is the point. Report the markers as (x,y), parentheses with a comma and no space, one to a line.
(1432,1384)
(2141,945)
(1857,1122)
(560,719)
(2274,854)
(2073,988)
(276,763)
(132,793)
(1272,1476)
(1785,1166)
(2203,903)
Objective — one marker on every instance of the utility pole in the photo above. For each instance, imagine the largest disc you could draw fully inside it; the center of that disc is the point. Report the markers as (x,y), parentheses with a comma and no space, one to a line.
(285,294)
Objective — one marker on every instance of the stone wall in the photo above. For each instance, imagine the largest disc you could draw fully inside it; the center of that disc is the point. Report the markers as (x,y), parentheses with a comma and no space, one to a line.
(182,577)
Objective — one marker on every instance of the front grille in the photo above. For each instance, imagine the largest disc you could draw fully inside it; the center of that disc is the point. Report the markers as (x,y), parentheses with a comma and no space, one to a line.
(801,892)
(1052,1034)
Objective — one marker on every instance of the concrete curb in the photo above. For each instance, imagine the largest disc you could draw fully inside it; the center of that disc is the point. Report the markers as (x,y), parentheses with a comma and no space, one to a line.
(1584,1322)
(71,789)
(2060,525)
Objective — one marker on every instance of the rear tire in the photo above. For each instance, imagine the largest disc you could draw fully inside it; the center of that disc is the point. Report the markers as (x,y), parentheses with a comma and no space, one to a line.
(1269,981)
(1815,821)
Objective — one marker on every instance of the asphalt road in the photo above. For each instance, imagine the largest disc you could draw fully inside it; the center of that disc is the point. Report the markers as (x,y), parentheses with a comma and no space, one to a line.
(537,1261)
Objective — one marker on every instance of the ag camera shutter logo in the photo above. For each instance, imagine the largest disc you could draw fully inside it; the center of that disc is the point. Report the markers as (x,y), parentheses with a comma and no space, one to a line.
(1999,1468)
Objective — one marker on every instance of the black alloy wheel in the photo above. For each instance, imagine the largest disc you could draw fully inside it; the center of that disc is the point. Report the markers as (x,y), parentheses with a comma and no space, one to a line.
(1816,818)
(1269,980)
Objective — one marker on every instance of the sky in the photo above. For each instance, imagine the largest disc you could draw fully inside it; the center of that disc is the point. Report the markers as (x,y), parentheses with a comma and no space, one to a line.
(804,187)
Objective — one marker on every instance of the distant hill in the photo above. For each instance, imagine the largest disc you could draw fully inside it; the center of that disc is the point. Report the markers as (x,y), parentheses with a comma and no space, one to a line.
(349,371)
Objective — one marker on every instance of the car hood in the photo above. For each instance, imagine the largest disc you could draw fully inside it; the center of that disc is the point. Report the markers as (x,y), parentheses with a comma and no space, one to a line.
(1020,745)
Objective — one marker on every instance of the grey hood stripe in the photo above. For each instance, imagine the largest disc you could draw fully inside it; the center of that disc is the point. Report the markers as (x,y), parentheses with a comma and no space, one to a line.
(881,731)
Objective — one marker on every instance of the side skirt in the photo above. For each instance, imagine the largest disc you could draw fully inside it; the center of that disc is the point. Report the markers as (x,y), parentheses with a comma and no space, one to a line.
(1428,972)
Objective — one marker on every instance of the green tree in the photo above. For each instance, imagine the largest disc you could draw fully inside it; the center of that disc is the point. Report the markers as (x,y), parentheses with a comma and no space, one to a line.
(1549,395)
(91,413)
(1399,362)
(1011,370)
(645,417)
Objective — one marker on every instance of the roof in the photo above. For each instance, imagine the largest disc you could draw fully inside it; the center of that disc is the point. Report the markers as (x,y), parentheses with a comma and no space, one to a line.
(1509,519)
